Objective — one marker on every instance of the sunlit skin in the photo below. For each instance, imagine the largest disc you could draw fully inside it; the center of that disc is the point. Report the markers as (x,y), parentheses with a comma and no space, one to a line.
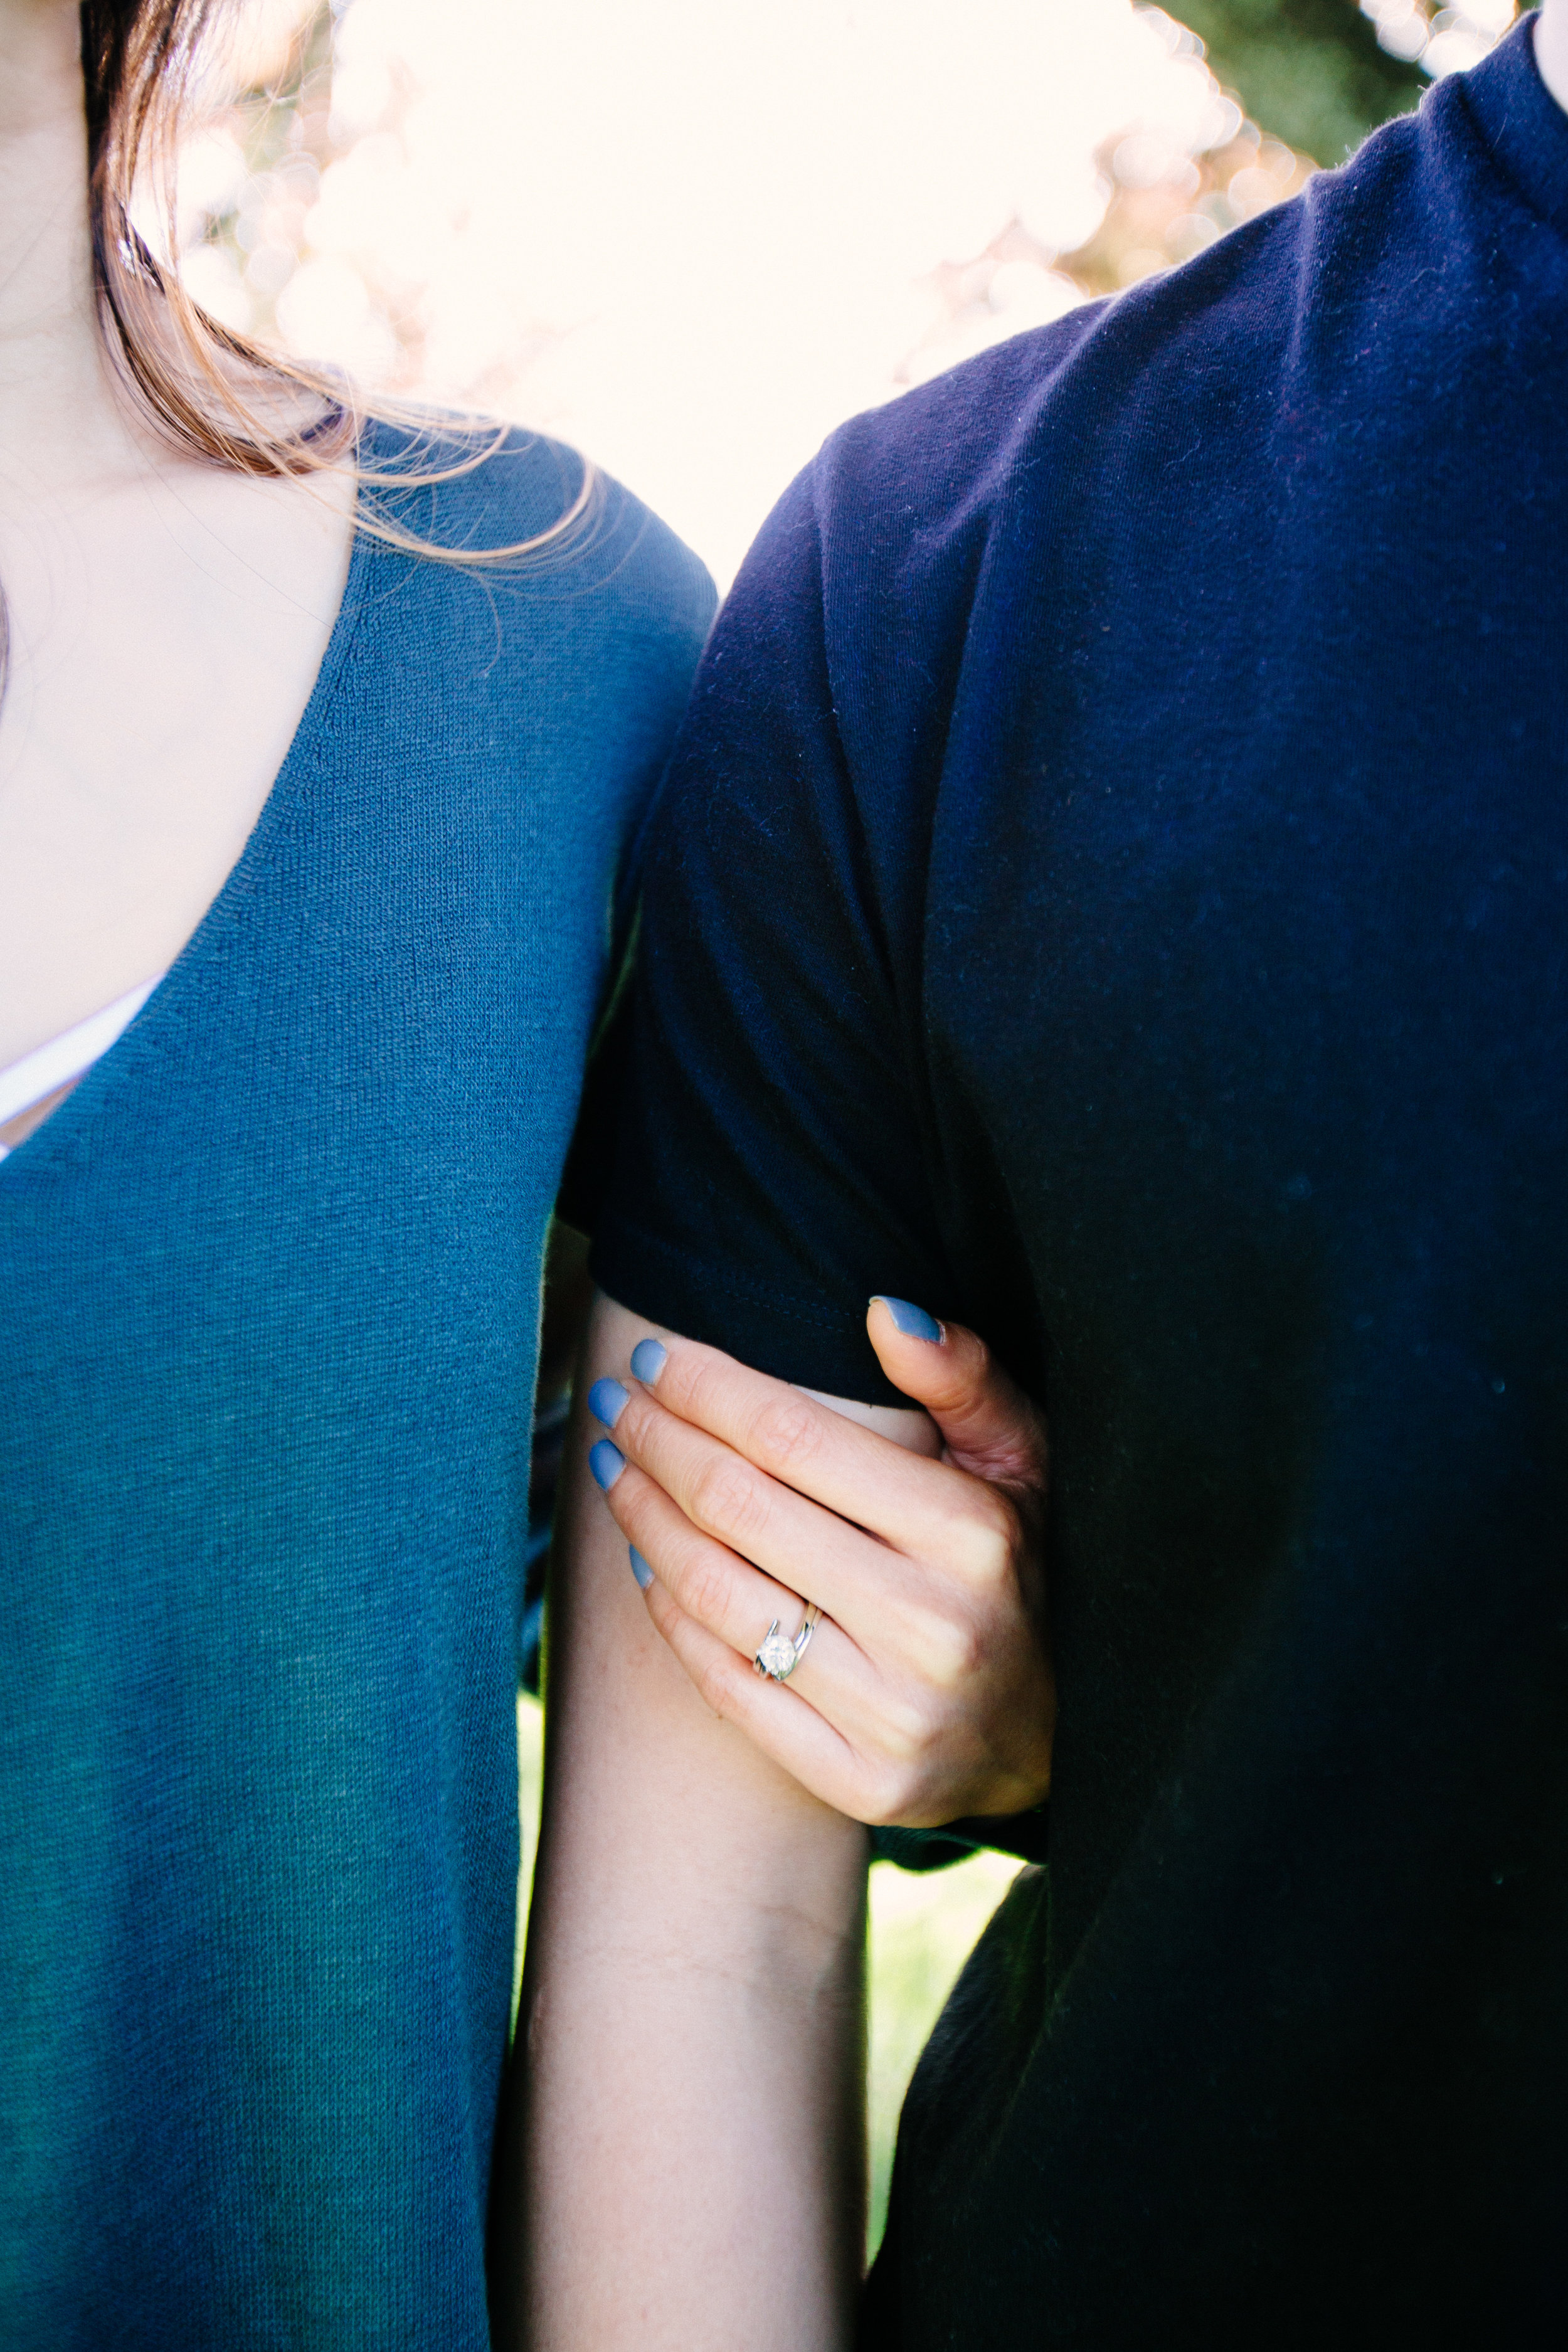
(166,619)
(687,2170)
(166,623)
(689,2173)
(922,1696)
(708,1603)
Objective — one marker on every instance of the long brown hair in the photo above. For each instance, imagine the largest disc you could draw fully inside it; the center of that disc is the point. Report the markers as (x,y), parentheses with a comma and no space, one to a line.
(209,393)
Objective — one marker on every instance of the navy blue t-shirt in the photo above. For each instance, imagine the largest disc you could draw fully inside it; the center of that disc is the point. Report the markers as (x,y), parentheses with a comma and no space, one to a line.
(1113,890)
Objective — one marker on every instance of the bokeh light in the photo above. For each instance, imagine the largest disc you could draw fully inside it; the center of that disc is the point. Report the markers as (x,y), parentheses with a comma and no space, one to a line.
(692,238)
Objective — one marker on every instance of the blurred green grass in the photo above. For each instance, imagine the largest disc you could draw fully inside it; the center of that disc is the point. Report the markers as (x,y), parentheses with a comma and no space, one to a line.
(921,1930)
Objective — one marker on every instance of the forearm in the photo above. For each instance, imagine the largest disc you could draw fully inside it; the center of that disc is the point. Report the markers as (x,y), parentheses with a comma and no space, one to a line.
(691,2152)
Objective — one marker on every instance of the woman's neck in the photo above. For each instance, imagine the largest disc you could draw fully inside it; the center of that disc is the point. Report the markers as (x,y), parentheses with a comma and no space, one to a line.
(56,402)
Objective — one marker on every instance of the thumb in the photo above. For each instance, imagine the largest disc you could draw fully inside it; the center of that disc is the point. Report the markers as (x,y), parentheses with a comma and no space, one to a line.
(989,1427)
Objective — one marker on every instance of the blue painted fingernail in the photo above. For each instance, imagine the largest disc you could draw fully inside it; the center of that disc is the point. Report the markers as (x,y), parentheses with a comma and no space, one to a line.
(913,1321)
(607,1401)
(649,1359)
(640,1568)
(607,1461)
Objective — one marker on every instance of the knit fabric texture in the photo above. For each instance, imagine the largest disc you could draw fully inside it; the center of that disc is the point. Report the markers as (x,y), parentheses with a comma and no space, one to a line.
(1112,890)
(271,1281)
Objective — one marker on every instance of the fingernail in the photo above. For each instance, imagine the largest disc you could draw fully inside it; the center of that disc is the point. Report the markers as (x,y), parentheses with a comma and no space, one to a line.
(607,1401)
(640,1568)
(913,1321)
(648,1358)
(607,1461)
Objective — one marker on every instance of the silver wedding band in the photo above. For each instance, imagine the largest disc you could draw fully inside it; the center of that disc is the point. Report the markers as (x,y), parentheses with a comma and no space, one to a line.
(777,1657)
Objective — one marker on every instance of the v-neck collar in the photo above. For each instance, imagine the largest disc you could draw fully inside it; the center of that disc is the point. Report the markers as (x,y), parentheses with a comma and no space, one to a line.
(235,903)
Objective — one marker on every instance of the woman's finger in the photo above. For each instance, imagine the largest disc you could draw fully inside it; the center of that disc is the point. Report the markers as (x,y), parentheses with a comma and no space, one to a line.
(989,1427)
(880,1694)
(735,1602)
(877,1779)
(797,1543)
(775,1717)
(916,1505)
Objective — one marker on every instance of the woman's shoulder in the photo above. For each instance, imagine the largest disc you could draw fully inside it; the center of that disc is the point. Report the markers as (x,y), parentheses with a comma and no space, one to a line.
(533,516)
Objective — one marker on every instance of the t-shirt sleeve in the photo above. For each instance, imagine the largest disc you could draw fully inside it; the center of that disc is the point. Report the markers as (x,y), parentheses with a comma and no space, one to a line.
(768,1172)
(657,605)
(771,1162)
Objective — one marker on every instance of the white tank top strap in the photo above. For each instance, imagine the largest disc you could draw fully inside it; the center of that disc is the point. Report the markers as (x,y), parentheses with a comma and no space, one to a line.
(49,1071)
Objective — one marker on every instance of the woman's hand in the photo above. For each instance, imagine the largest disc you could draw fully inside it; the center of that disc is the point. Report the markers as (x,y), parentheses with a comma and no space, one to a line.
(924,1693)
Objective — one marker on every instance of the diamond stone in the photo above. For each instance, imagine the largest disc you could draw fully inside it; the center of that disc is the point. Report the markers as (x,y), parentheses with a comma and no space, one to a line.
(776,1654)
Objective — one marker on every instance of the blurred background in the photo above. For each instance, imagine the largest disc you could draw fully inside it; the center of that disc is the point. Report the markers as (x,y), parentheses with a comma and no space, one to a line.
(691,236)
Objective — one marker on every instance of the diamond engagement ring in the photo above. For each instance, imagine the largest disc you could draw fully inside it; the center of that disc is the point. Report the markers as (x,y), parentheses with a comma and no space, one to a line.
(777,1657)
